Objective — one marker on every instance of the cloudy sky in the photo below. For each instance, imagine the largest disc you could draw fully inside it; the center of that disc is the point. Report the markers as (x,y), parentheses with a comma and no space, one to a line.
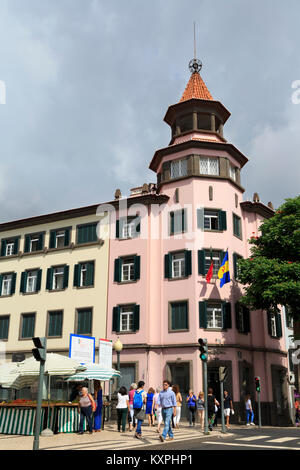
(88,83)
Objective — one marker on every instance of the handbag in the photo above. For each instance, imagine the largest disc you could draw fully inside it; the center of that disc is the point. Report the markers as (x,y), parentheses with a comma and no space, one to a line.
(141,415)
(232,412)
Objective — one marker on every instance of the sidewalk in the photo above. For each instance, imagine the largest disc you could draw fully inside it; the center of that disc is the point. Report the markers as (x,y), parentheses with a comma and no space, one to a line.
(109,439)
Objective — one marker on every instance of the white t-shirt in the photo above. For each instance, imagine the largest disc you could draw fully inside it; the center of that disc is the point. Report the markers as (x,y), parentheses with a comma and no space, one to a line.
(122,401)
(248,404)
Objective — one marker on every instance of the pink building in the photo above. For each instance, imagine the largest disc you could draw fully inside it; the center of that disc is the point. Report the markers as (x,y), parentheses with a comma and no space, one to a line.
(159,302)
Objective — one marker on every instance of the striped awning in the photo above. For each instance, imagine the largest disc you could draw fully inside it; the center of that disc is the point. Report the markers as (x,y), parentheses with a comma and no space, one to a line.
(94,372)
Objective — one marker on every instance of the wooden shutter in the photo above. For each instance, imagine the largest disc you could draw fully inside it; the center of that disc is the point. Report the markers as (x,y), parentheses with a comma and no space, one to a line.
(188,262)
(222,220)
(234,259)
(136,318)
(66,277)
(90,274)
(118,270)
(27,243)
(269,323)
(201,262)
(226,312)
(237,316)
(171,222)
(116,319)
(137,226)
(16,245)
(41,241)
(38,280)
(3,247)
(67,237)
(52,239)
(202,315)
(23,282)
(246,320)
(200,218)
(168,266)
(49,281)
(1,280)
(137,267)
(13,284)
(278,325)
(117,228)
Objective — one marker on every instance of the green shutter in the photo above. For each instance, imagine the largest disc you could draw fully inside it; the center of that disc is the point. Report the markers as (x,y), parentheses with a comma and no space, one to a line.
(226,312)
(13,284)
(246,320)
(168,266)
(202,315)
(41,241)
(66,277)
(67,237)
(136,318)
(55,323)
(28,326)
(222,220)
(179,317)
(84,321)
(137,226)
(23,282)
(3,247)
(90,274)
(38,280)
(117,271)
(4,324)
(184,220)
(234,259)
(27,244)
(116,319)
(49,281)
(200,218)
(52,239)
(1,280)
(137,267)
(16,245)
(269,323)
(278,326)
(172,222)
(188,262)
(117,229)
(237,317)
(76,282)
(201,262)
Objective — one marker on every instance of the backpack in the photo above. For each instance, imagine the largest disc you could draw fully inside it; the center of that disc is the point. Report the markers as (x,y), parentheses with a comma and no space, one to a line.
(138,399)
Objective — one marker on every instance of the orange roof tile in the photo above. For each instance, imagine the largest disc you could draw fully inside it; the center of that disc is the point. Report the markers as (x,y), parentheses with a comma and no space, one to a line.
(196,88)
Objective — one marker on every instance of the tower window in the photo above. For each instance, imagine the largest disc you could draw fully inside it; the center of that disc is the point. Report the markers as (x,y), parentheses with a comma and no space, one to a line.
(178,168)
(209,166)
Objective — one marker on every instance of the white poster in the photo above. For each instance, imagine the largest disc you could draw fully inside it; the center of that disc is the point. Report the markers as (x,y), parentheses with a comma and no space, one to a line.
(105,353)
(82,348)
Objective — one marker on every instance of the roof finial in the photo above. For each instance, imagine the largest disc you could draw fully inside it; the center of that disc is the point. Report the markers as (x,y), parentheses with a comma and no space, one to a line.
(195,65)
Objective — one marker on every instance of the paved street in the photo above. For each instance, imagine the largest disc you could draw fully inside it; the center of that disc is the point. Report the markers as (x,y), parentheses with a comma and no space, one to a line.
(239,438)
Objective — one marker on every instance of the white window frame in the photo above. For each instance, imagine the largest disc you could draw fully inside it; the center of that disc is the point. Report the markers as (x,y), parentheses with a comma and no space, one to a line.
(232,172)
(127,273)
(210,167)
(126,314)
(58,273)
(273,326)
(6,284)
(60,235)
(32,241)
(208,216)
(179,168)
(31,283)
(178,265)
(10,248)
(127,229)
(212,312)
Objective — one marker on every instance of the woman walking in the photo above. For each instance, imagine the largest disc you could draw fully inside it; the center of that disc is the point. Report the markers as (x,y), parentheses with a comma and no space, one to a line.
(98,412)
(157,409)
(122,408)
(191,402)
(200,409)
(86,406)
(131,393)
(249,411)
(149,406)
(178,405)
(211,408)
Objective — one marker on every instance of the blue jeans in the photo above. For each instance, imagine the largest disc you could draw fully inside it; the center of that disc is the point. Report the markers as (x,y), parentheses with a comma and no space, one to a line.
(86,412)
(249,414)
(167,417)
(139,421)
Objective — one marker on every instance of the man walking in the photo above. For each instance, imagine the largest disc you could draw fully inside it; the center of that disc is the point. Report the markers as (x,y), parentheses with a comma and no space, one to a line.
(228,407)
(167,401)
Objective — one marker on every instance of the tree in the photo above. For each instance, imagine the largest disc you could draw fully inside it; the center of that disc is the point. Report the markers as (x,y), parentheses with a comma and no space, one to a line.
(272,275)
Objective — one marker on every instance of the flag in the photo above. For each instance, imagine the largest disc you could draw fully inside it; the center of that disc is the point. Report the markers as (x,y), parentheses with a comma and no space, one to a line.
(223,273)
(210,272)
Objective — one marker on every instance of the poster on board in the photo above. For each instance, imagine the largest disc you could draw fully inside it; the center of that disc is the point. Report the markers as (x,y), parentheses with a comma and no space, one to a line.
(105,353)
(82,348)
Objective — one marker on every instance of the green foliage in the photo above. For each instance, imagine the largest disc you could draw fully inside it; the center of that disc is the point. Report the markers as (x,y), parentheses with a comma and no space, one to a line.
(272,275)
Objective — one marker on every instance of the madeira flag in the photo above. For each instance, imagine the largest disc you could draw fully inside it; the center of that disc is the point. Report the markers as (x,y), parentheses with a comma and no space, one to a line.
(223,273)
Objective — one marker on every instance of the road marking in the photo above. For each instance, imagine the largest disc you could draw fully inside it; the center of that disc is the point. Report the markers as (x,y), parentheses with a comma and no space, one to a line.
(251,445)
(283,439)
(251,438)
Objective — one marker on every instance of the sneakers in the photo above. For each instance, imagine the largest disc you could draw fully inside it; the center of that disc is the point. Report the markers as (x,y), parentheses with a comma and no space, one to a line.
(171,439)
(138,436)
(161,438)
(252,424)
(248,424)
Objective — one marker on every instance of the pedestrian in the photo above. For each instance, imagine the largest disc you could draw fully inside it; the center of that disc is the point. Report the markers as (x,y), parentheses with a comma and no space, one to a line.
(211,408)
(131,393)
(86,406)
(191,403)
(297,411)
(149,406)
(167,401)
(249,411)
(228,407)
(201,409)
(178,405)
(139,400)
(99,401)
(157,408)
(122,408)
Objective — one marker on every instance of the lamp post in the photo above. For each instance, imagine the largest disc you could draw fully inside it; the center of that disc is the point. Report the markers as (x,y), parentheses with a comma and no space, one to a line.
(118,346)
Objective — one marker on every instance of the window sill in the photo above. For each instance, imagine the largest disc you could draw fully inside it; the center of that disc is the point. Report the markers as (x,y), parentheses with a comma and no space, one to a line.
(127,282)
(38,252)
(56,290)
(7,257)
(213,230)
(54,337)
(128,238)
(184,330)
(30,293)
(95,243)
(5,296)
(84,287)
(130,332)
(183,278)
(61,248)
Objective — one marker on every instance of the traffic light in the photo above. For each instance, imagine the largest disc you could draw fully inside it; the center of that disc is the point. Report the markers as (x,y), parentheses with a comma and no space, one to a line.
(203,349)
(257,384)
(222,373)
(40,351)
